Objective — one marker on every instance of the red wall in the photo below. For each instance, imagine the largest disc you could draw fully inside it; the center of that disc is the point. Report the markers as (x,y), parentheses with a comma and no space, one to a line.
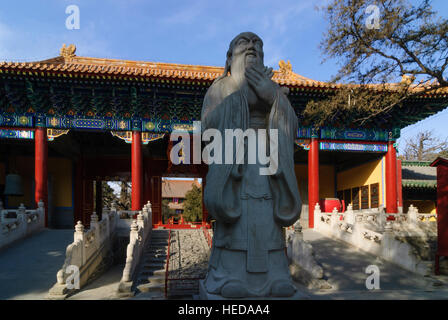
(442,208)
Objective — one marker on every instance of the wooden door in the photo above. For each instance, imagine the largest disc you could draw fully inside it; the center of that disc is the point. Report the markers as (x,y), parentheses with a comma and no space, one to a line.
(355,198)
(365,197)
(374,195)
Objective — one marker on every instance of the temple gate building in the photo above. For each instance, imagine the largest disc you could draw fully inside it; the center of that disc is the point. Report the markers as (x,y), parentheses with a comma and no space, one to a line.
(70,122)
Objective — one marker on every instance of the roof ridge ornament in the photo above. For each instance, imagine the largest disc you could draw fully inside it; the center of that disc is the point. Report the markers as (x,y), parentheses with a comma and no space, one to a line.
(285,67)
(67,52)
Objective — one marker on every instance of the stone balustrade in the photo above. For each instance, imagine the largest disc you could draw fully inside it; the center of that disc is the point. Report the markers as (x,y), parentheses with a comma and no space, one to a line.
(16,224)
(373,231)
(87,252)
(140,232)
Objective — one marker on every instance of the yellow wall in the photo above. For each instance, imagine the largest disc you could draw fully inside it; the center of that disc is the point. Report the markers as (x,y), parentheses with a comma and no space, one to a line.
(59,168)
(326,180)
(365,174)
(24,166)
(61,171)
(424,206)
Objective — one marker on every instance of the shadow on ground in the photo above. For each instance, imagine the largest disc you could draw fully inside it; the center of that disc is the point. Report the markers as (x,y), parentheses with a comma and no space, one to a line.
(28,268)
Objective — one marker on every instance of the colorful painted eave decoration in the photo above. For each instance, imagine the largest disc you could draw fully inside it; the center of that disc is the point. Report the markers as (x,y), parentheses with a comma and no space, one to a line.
(354,147)
(146,136)
(16,134)
(88,123)
(13,120)
(166,126)
(358,134)
(327,133)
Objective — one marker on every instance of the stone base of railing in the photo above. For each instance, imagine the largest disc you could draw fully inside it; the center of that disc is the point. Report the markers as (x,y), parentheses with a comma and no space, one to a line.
(373,232)
(89,256)
(125,289)
(302,263)
(18,224)
(139,234)
(90,271)
(59,292)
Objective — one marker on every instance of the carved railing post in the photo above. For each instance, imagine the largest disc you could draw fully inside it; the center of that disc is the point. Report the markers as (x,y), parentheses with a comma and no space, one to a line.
(80,236)
(145,213)
(334,219)
(298,231)
(386,241)
(140,220)
(317,215)
(350,215)
(21,213)
(133,236)
(412,215)
(382,218)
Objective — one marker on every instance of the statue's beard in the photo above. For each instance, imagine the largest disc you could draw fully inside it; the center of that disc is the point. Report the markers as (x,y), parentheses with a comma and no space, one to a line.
(238,71)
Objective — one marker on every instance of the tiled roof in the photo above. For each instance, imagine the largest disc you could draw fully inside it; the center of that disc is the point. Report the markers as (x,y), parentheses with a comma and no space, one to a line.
(71,65)
(418,174)
(177,188)
(114,67)
(407,183)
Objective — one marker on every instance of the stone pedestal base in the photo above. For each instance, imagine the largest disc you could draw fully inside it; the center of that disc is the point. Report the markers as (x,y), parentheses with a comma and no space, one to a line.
(204,295)
(125,289)
(58,292)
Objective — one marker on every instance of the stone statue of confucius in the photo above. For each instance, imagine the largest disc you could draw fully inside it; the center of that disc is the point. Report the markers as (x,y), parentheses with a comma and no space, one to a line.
(248,257)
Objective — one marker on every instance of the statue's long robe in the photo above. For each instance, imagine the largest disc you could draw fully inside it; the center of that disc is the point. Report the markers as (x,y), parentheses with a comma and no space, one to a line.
(237,225)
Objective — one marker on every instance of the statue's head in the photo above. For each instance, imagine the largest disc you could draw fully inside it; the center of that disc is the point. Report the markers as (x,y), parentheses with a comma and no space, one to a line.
(244,50)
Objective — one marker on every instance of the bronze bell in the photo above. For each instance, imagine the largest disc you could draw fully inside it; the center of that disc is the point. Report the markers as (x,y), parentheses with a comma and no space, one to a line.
(13,185)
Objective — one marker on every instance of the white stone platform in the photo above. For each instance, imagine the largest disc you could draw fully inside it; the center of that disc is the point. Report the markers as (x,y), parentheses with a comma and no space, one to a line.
(204,295)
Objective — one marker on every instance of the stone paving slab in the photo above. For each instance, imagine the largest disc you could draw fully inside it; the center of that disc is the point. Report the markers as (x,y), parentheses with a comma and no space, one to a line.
(344,267)
(28,268)
(103,288)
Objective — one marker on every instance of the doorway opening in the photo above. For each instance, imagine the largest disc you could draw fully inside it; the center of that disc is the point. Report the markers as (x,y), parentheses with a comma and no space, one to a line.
(182,202)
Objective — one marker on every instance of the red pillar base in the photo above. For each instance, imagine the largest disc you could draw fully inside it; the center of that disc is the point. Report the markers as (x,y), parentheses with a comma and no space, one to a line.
(313,179)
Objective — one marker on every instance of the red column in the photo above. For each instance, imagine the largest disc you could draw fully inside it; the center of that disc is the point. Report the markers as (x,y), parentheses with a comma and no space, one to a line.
(137,171)
(391,179)
(40,168)
(399,185)
(313,179)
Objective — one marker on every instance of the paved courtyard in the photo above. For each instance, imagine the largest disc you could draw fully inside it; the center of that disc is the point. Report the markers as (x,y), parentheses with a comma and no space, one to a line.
(344,267)
(28,267)
(28,270)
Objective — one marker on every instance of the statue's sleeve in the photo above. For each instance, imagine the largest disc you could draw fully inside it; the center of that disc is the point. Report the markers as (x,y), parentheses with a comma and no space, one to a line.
(212,110)
(223,180)
(284,184)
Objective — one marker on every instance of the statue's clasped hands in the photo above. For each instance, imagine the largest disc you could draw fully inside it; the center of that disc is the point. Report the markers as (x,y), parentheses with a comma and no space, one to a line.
(260,82)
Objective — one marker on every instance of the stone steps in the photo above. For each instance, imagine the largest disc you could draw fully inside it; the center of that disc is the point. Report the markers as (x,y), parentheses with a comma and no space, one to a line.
(152,287)
(151,278)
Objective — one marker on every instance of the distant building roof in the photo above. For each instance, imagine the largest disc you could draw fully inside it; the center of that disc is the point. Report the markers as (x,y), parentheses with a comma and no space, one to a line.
(177,188)
(418,174)
(438,161)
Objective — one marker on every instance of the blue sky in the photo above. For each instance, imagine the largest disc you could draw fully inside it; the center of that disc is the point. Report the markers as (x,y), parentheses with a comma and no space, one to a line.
(188,32)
